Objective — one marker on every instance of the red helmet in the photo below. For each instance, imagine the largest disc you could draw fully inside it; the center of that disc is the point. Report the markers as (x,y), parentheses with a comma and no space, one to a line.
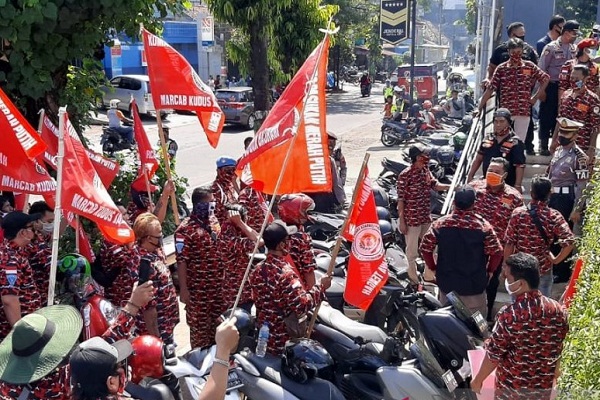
(427,104)
(294,208)
(147,358)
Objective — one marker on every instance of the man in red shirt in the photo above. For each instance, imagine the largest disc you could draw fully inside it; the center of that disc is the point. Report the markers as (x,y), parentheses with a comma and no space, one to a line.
(414,202)
(18,291)
(495,202)
(468,251)
(582,57)
(534,228)
(515,79)
(527,340)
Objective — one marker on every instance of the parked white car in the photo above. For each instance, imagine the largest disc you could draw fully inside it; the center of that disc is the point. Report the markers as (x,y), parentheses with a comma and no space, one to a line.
(124,87)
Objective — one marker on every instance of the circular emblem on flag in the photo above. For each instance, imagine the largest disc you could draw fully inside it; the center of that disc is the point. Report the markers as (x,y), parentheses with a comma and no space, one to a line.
(198,81)
(39,169)
(367,245)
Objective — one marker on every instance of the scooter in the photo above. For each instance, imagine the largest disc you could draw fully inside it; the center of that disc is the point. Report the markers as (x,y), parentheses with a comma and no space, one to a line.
(397,131)
(365,90)
(113,142)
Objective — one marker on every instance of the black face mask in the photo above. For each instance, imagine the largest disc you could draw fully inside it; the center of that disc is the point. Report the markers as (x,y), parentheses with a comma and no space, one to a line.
(521,37)
(564,141)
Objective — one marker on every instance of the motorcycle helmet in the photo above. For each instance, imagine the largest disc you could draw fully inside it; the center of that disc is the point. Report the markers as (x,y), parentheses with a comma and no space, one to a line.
(427,105)
(244,324)
(445,155)
(467,120)
(459,140)
(77,273)
(304,359)
(436,169)
(293,208)
(383,213)
(114,103)
(381,197)
(386,229)
(147,358)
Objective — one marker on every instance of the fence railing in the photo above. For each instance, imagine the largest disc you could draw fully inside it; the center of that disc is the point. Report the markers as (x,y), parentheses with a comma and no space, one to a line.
(482,125)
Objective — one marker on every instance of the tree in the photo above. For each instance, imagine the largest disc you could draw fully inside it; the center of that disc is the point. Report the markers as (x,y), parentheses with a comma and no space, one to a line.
(44,38)
(470,20)
(584,11)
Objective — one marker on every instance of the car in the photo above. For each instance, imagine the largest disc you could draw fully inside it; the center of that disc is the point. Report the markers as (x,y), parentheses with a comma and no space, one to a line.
(238,105)
(124,87)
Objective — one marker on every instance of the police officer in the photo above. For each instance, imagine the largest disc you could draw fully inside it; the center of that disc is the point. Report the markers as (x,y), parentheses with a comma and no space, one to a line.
(388,90)
(568,171)
(552,60)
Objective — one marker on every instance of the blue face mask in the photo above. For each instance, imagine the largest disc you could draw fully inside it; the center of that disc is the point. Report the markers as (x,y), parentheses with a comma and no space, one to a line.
(578,84)
(204,210)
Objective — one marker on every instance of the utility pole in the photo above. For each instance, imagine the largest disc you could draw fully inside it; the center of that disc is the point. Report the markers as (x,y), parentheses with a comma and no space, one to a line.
(413,41)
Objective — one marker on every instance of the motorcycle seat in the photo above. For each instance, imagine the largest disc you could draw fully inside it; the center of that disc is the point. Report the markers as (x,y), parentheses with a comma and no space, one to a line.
(270,368)
(394,166)
(333,318)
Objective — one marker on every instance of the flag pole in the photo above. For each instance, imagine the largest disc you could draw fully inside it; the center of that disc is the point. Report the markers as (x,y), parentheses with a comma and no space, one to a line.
(77,233)
(279,178)
(147,180)
(167,161)
(340,238)
(62,114)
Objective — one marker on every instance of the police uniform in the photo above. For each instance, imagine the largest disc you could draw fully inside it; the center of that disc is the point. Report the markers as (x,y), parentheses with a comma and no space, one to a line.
(552,60)
(568,172)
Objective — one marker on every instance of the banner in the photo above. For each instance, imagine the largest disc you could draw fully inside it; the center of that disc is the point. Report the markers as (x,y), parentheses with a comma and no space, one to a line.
(84,194)
(18,172)
(176,85)
(106,168)
(11,121)
(394,26)
(85,248)
(301,107)
(367,267)
(148,160)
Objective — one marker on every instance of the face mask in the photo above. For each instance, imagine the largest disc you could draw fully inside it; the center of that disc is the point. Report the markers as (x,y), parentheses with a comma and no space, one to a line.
(564,141)
(205,210)
(493,179)
(425,160)
(3,214)
(503,132)
(593,53)
(47,227)
(578,84)
(515,57)
(521,37)
(508,287)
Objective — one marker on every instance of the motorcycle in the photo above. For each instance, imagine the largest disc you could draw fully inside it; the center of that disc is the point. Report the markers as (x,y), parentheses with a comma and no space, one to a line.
(365,90)
(112,141)
(395,132)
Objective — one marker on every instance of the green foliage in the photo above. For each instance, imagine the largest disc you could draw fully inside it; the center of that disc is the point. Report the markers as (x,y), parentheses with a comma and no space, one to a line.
(584,11)
(470,20)
(580,377)
(47,36)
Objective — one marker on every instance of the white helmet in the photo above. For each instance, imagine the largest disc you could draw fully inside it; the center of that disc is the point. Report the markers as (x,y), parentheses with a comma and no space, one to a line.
(114,103)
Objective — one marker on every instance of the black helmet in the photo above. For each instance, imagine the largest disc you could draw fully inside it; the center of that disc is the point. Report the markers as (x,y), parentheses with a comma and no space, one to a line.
(244,324)
(383,213)
(386,229)
(304,359)
(381,197)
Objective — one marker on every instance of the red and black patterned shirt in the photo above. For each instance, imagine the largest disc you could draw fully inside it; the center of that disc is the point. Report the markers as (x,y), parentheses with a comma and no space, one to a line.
(301,253)
(496,207)
(256,207)
(16,279)
(277,291)
(584,108)
(225,193)
(124,261)
(414,185)
(592,82)
(133,211)
(515,83)
(57,384)
(523,233)
(154,266)
(526,344)
(39,253)
(234,248)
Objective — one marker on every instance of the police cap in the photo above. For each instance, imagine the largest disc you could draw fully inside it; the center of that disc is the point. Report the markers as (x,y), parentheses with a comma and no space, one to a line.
(568,127)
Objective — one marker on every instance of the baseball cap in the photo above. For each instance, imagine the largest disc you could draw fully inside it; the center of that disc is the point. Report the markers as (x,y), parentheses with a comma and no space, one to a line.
(503,113)
(417,149)
(225,161)
(567,127)
(93,361)
(585,43)
(464,197)
(276,232)
(571,25)
(14,221)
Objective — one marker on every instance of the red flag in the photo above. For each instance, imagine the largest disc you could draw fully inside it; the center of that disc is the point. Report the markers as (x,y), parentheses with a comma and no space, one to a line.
(367,267)
(148,161)
(18,172)
(11,120)
(309,168)
(106,168)
(85,248)
(175,84)
(264,206)
(571,289)
(84,194)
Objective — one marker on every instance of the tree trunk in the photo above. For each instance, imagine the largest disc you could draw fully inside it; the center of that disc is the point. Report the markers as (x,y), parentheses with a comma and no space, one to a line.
(260,72)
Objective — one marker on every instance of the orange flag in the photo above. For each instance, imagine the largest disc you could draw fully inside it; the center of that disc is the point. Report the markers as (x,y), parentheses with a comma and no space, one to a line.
(12,121)
(367,267)
(175,84)
(106,168)
(84,194)
(302,106)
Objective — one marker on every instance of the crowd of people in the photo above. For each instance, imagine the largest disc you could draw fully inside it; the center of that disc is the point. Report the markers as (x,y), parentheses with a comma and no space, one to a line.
(490,236)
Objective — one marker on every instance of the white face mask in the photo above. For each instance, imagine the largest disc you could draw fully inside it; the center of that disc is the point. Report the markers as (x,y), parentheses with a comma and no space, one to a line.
(508,287)
(47,227)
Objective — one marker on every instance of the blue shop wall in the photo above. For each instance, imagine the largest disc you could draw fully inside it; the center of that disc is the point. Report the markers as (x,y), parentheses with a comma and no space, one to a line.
(182,36)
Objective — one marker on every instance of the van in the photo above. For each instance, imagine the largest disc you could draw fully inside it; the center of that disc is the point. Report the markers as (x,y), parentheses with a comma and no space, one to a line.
(124,87)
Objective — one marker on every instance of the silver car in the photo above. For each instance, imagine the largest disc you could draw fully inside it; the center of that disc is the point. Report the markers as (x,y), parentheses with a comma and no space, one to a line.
(238,105)
(124,87)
